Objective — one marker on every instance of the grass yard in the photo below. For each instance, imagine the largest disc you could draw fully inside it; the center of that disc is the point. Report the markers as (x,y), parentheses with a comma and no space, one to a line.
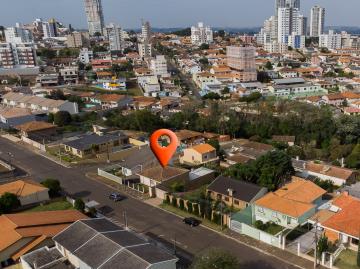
(273,229)
(347,260)
(135,91)
(194,195)
(52,206)
(185,214)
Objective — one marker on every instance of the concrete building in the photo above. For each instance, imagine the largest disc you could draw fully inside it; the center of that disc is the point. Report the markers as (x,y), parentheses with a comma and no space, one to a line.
(159,66)
(36,103)
(330,41)
(146,31)
(288,23)
(201,34)
(115,36)
(145,50)
(69,75)
(50,29)
(78,40)
(95,16)
(242,59)
(18,35)
(13,55)
(287,3)
(86,56)
(198,155)
(317,21)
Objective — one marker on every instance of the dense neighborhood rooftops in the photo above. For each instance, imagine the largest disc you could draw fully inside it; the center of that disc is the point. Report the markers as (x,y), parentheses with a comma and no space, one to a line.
(33,126)
(112,97)
(330,170)
(241,190)
(159,173)
(187,134)
(99,242)
(29,99)
(14,112)
(21,188)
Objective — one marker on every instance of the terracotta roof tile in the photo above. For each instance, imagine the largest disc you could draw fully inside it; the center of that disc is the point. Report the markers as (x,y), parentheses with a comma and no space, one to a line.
(203,148)
(33,126)
(21,188)
(161,174)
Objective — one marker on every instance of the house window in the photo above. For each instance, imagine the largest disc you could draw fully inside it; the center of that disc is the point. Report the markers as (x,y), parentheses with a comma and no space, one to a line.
(227,199)
(261,210)
(219,196)
(236,202)
(274,214)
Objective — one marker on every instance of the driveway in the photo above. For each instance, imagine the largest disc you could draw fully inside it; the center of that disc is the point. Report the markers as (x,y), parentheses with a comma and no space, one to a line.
(307,242)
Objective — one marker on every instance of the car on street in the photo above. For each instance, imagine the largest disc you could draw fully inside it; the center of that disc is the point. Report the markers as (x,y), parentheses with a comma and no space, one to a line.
(192,222)
(116,197)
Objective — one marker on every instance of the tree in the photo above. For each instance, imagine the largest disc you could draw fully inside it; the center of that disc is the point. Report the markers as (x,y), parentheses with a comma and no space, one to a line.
(269,65)
(167,200)
(212,96)
(79,205)
(226,90)
(353,160)
(204,61)
(8,202)
(62,118)
(181,204)
(215,144)
(189,206)
(204,46)
(53,185)
(216,259)
(322,246)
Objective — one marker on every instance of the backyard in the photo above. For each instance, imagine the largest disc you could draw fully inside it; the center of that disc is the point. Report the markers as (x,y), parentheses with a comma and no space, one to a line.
(347,260)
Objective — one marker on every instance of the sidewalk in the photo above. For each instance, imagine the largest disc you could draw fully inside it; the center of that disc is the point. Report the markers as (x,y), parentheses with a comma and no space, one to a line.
(278,253)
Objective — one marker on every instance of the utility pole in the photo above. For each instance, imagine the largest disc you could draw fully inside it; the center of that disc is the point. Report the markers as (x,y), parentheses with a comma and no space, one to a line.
(316,243)
(221,215)
(60,154)
(125,220)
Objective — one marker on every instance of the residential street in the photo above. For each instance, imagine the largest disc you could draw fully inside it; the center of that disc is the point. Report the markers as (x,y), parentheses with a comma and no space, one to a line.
(141,217)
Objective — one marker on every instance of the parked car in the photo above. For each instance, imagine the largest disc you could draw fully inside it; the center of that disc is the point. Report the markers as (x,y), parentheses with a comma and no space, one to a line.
(192,222)
(116,197)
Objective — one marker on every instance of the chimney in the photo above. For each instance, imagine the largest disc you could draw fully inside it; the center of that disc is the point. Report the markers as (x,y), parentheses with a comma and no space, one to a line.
(230,192)
(342,162)
(297,158)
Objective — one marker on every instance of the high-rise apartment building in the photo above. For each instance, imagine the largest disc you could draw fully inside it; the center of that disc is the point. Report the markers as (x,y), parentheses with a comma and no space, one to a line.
(50,29)
(288,23)
(145,46)
(145,50)
(18,34)
(14,55)
(317,21)
(78,40)
(242,59)
(115,36)
(95,16)
(146,31)
(159,66)
(201,34)
(287,3)
(331,40)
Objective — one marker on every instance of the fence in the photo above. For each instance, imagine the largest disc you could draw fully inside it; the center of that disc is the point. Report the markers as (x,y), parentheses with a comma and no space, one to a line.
(252,232)
(34,143)
(110,176)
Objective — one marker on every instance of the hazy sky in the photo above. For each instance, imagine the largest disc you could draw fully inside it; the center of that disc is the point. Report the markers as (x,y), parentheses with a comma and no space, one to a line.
(172,13)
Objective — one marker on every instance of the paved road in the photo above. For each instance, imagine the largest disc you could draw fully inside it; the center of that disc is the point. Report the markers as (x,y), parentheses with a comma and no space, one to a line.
(143,218)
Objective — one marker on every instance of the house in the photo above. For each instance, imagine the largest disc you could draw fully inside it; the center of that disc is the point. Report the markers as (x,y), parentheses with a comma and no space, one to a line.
(36,103)
(337,175)
(343,222)
(189,138)
(199,154)
(25,232)
(291,205)
(110,101)
(13,116)
(28,192)
(234,192)
(286,139)
(99,243)
(88,145)
(37,129)
(157,175)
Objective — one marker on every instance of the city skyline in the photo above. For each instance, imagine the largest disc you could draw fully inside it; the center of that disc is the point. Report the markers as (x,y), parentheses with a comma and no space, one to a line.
(162,13)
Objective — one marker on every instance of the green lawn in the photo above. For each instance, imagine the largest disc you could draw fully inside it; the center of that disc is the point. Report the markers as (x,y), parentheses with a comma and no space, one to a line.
(185,214)
(347,260)
(194,195)
(273,229)
(54,206)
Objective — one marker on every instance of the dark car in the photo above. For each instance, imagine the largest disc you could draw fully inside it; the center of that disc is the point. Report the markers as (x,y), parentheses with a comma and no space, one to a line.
(192,222)
(116,197)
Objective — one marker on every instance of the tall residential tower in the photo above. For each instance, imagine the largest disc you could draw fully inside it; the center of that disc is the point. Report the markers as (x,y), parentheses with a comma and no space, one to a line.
(317,21)
(95,16)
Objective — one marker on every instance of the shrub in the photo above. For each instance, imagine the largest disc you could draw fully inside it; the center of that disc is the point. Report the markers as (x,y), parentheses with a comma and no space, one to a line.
(196,210)
(79,205)
(167,200)
(190,207)
(181,204)
(8,202)
(53,185)
(174,202)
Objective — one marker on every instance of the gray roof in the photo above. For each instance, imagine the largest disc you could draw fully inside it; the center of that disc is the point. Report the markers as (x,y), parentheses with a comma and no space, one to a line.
(284,81)
(87,141)
(143,156)
(242,190)
(99,243)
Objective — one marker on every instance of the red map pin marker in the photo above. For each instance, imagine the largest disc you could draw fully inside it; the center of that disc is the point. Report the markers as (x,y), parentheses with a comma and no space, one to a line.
(163,154)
